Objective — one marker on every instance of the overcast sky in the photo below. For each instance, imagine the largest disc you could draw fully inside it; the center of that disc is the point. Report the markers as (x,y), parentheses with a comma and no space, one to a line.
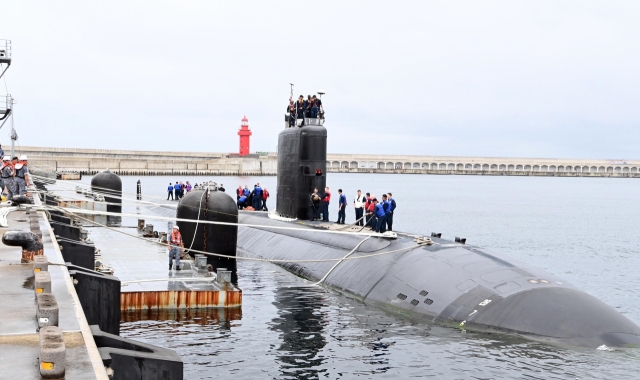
(478,78)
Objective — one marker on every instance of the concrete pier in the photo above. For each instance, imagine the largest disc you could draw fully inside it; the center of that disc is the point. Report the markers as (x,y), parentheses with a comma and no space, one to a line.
(20,347)
(126,162)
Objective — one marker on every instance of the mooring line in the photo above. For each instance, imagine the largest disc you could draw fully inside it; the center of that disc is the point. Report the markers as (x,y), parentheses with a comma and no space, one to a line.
(243,257)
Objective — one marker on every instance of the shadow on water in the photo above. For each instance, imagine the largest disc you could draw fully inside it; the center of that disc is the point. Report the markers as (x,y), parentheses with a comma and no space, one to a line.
(300,322)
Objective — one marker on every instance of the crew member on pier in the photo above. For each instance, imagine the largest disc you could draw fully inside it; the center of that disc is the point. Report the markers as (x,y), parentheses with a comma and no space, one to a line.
(7,173)
(175,247)
(22,175)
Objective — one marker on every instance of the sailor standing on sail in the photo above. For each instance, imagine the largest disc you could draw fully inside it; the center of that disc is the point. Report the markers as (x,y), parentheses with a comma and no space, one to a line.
(175,247)
(301,106)
(7,173)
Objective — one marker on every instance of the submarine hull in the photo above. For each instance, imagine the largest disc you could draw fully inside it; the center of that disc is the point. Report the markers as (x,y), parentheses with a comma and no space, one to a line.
(460,284)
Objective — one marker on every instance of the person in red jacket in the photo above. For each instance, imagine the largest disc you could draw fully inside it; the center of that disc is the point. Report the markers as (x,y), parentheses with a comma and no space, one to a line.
(370,206)
(326,198)
(265,195)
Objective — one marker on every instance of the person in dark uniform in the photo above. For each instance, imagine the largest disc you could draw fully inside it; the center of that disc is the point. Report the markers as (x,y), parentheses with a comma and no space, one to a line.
(301,105)
(315,205)
(379,213)
(392,208)
(315,106)
(358,205)
(326,198)
(342,206)
(170,191)
(221,188)
(257,197)
(291,110)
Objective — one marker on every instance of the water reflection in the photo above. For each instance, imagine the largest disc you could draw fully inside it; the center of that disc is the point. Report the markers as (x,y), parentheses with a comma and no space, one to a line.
(301,321)
(219,316)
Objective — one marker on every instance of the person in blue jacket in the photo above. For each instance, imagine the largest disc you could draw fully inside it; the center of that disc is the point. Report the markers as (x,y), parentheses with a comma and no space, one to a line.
(257,197)
(177,188)
(342,206)
(392,208)
(242,202)
(170,191)
(379,213)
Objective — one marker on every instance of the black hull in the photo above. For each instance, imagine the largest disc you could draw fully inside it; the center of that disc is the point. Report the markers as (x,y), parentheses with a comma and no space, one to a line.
(447,281)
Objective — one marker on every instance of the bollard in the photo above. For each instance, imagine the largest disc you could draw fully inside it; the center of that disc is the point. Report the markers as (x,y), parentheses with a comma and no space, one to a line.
(31,244)
(147,231)
(46,310)
(21,199)
(40,263)
(201,261)
(223,276)
(42,282)
(52,353)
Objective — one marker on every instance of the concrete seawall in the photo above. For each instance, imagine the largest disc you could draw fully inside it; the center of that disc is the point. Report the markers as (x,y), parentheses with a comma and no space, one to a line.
(126,162)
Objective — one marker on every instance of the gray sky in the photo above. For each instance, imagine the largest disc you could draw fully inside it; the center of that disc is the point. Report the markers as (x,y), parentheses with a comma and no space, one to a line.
(481,78)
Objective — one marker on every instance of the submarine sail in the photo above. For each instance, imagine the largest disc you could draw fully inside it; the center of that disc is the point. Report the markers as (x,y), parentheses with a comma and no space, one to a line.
(302,166)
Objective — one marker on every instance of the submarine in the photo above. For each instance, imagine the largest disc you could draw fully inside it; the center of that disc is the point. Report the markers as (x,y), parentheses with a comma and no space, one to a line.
(430,279)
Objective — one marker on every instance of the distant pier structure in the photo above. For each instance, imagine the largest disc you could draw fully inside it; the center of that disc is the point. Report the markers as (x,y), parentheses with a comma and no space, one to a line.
(129,162)
(483,165)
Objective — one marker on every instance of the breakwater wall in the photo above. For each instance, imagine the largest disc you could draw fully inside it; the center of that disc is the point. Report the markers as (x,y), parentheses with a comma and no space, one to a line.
(128,162)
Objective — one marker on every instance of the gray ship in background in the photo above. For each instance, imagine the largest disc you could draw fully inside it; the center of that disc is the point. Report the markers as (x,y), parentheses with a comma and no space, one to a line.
(432,279)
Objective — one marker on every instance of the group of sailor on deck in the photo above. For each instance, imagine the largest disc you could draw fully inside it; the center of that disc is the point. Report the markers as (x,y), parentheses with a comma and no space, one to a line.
(378,215)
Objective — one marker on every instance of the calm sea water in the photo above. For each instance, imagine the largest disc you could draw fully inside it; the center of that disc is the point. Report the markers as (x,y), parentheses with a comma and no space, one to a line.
(583,229)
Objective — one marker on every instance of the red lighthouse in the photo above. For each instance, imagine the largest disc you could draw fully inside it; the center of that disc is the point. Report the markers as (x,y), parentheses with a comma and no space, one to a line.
(244,134)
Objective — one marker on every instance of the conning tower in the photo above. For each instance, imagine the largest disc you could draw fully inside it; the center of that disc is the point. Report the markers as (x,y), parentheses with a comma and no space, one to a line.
(302,166)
